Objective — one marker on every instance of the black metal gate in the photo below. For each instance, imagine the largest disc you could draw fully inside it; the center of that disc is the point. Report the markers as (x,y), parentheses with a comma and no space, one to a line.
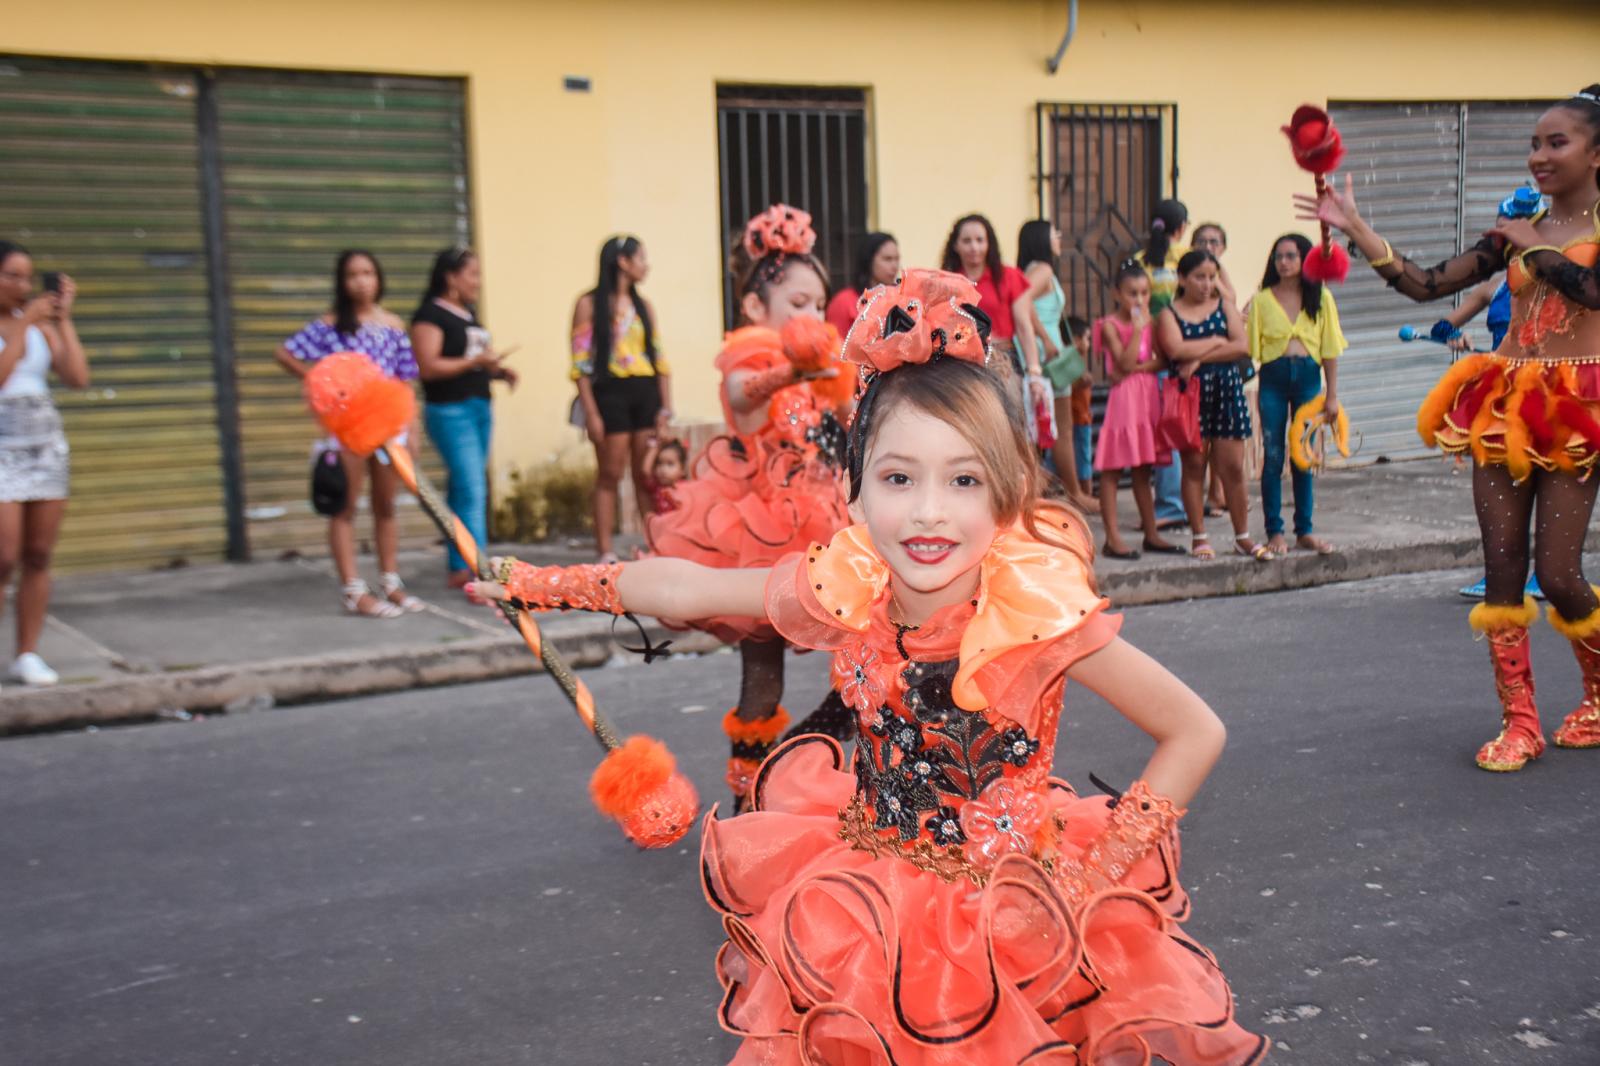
(1102,168)
(804,146)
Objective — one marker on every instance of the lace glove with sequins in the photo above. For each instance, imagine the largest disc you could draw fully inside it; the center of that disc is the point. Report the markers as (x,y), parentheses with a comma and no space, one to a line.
(1139,821)
(592,587)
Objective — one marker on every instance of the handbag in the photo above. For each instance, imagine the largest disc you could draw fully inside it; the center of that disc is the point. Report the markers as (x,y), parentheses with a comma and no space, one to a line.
(330,489)
(1065,370)
(1178,425)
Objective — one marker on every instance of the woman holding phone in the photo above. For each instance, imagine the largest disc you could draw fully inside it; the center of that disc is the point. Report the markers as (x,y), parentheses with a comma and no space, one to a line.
(37,337)
(457,364)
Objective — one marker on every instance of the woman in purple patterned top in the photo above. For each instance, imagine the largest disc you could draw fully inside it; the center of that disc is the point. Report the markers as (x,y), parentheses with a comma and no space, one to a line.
(358,323)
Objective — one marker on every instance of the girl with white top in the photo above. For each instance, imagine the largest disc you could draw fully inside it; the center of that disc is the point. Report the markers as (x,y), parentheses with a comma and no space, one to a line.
(36,337)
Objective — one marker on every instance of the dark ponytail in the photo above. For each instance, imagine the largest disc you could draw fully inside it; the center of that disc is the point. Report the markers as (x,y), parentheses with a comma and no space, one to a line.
(1170,216)
(605,318)
(1585,103)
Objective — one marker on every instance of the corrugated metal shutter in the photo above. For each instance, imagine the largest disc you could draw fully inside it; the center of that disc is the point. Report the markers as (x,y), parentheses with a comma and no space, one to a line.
(1406,163)
(1496,161)
(1429,177)
(102,181)
(312,165)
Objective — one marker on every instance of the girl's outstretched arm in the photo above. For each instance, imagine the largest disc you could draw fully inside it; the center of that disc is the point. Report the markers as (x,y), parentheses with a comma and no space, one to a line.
(1189,736)
(660,588)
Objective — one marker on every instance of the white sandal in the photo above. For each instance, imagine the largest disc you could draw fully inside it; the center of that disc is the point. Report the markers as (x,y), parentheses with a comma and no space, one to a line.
(357,590)
(389,582)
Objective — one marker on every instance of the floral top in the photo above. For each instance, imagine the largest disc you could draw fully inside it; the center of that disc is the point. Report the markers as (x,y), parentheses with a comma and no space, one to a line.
(629,358)
(386,346)
(958,717)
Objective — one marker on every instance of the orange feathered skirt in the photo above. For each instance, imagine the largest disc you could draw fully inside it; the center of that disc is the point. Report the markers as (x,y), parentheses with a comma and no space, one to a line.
(1518,413)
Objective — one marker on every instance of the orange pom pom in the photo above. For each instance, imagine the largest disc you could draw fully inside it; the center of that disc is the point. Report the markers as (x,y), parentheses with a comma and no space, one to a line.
(838,393)
(638,785)
(810,343)
(356,403)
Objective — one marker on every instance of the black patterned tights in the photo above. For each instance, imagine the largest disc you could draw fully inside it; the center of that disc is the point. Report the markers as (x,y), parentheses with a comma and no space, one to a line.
(1561,506)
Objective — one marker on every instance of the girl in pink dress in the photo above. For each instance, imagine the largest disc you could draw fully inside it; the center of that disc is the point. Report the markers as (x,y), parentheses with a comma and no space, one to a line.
(1124,341)
(945,900)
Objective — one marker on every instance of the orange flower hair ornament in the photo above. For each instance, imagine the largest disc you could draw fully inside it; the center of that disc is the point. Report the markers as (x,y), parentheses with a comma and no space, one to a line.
(637,783)
(1318,147)
(780,230)
(925,315)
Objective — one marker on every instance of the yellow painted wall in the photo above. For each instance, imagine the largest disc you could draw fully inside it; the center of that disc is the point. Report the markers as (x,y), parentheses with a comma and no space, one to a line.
(953,87)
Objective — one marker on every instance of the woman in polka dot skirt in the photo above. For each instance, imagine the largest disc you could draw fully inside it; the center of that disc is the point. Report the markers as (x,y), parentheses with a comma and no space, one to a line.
(1201,333)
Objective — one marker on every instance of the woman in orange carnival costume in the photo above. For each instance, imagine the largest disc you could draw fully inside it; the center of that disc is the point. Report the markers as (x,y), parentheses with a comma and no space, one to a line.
(1529,414)
(946,900)
(770,485)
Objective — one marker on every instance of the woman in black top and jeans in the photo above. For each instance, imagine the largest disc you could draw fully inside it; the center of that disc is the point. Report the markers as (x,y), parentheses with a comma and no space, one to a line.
(456,365)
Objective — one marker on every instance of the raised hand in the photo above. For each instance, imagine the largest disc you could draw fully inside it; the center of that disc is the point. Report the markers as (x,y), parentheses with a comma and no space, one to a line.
(1337,209)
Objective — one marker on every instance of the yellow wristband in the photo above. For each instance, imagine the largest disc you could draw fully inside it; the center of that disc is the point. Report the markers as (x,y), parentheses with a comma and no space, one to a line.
(1388,257)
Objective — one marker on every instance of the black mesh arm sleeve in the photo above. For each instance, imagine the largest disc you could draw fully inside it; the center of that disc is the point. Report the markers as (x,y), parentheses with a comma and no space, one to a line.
(1580,284)
(1479,263)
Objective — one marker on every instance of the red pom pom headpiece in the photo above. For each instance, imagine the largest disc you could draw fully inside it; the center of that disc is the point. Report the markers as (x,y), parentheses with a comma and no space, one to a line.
(926,314)
(1326,264)
(780,229)
(1314,139)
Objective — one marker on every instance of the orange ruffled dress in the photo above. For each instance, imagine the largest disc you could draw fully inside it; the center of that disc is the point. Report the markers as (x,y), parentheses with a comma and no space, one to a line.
(756,497)
(906,910)
(1536,401)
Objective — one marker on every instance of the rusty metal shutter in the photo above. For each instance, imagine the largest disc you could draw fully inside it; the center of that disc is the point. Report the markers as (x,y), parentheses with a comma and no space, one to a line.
(102,181)
(312,165)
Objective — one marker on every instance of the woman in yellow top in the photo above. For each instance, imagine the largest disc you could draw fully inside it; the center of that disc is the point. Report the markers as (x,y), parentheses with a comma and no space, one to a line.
(1294,334)
(624,391)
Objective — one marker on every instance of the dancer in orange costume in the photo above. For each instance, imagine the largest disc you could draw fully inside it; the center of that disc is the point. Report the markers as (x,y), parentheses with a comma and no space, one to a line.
(1529,414)
(948,901)
(770,486)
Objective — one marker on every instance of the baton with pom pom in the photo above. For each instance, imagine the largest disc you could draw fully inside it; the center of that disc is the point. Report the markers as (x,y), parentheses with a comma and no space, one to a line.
(1318,147)
(637,783)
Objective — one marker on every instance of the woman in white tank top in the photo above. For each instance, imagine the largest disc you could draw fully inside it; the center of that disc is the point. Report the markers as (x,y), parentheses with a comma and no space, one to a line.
(36,337)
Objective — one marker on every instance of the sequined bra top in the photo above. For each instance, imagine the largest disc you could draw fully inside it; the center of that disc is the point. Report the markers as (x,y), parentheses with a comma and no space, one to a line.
(1545,323)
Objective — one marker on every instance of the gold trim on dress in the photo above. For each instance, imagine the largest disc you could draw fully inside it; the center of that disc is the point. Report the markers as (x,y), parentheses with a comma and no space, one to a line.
(947,862)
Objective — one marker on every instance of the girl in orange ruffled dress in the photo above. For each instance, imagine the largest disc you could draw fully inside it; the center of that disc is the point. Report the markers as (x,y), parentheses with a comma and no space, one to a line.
(770,485)
(946,900)
(1529,414)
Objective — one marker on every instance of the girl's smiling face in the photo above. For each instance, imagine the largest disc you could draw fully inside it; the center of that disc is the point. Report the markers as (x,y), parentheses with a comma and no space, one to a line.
(927,507)
(1563,154)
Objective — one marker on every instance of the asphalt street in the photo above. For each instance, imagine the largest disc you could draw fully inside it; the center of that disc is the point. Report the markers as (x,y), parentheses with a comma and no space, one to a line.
(419,878)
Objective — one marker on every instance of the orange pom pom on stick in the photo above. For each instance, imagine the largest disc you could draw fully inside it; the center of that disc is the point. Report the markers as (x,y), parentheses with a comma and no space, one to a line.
(810,343)
(639,785)
(355,402)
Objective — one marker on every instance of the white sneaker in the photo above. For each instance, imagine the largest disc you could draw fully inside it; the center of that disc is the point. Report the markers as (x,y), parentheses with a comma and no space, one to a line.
(32,670)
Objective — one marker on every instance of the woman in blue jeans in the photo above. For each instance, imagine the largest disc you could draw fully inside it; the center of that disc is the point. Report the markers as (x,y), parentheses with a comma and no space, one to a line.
(1294,334)
(456,365)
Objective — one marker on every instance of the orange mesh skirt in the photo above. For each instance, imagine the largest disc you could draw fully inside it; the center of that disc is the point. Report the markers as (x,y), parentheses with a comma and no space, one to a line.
(1520,414)
(837,955)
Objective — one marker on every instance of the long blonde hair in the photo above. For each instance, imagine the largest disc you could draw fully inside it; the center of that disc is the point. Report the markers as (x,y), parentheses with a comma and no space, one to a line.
(973,400)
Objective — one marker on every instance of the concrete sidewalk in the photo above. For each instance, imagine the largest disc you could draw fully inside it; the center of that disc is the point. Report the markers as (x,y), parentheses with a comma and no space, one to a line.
(239,637)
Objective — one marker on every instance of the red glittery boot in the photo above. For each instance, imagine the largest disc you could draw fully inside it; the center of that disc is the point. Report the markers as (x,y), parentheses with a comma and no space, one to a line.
(1521,738)
(1581,729)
